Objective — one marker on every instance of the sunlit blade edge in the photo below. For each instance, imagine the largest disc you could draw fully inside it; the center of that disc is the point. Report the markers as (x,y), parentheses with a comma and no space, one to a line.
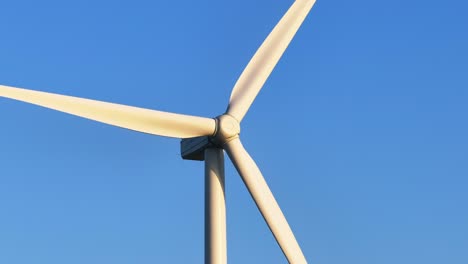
(265,59)
(129,117)
(265,201)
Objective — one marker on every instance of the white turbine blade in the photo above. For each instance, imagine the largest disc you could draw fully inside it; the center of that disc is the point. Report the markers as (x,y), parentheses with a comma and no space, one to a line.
(133,118)
(265,201)
(265,59)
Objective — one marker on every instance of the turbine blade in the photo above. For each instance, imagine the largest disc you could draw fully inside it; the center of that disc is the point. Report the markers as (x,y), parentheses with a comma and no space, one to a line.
(133,118)
(265,59)
(265,201)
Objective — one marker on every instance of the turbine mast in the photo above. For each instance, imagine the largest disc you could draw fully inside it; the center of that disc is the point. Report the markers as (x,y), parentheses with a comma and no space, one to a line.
(203,148)
(215,207)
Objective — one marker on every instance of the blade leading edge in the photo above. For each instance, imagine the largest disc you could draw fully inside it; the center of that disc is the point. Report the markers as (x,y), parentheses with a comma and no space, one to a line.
(133,118)
(265,200)
(265,59)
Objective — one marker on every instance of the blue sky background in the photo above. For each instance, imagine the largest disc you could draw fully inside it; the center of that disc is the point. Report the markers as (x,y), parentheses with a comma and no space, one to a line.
(361,131)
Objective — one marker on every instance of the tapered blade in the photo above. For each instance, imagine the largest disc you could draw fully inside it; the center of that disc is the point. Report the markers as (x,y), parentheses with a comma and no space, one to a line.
(133,118)
(265,59)
(265,200)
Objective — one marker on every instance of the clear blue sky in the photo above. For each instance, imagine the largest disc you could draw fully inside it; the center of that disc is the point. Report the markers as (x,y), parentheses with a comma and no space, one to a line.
(361,131)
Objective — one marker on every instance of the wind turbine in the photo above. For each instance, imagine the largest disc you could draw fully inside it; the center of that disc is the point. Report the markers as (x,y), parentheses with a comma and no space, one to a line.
(205,138)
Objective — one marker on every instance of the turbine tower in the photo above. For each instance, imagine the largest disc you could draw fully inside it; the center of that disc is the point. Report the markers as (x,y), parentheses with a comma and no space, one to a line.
(206,138)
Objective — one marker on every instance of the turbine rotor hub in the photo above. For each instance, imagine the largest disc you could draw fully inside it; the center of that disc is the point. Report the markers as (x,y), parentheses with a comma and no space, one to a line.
(227,129)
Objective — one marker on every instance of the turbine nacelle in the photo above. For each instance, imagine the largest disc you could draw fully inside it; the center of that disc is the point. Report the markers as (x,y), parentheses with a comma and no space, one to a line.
(227,129)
